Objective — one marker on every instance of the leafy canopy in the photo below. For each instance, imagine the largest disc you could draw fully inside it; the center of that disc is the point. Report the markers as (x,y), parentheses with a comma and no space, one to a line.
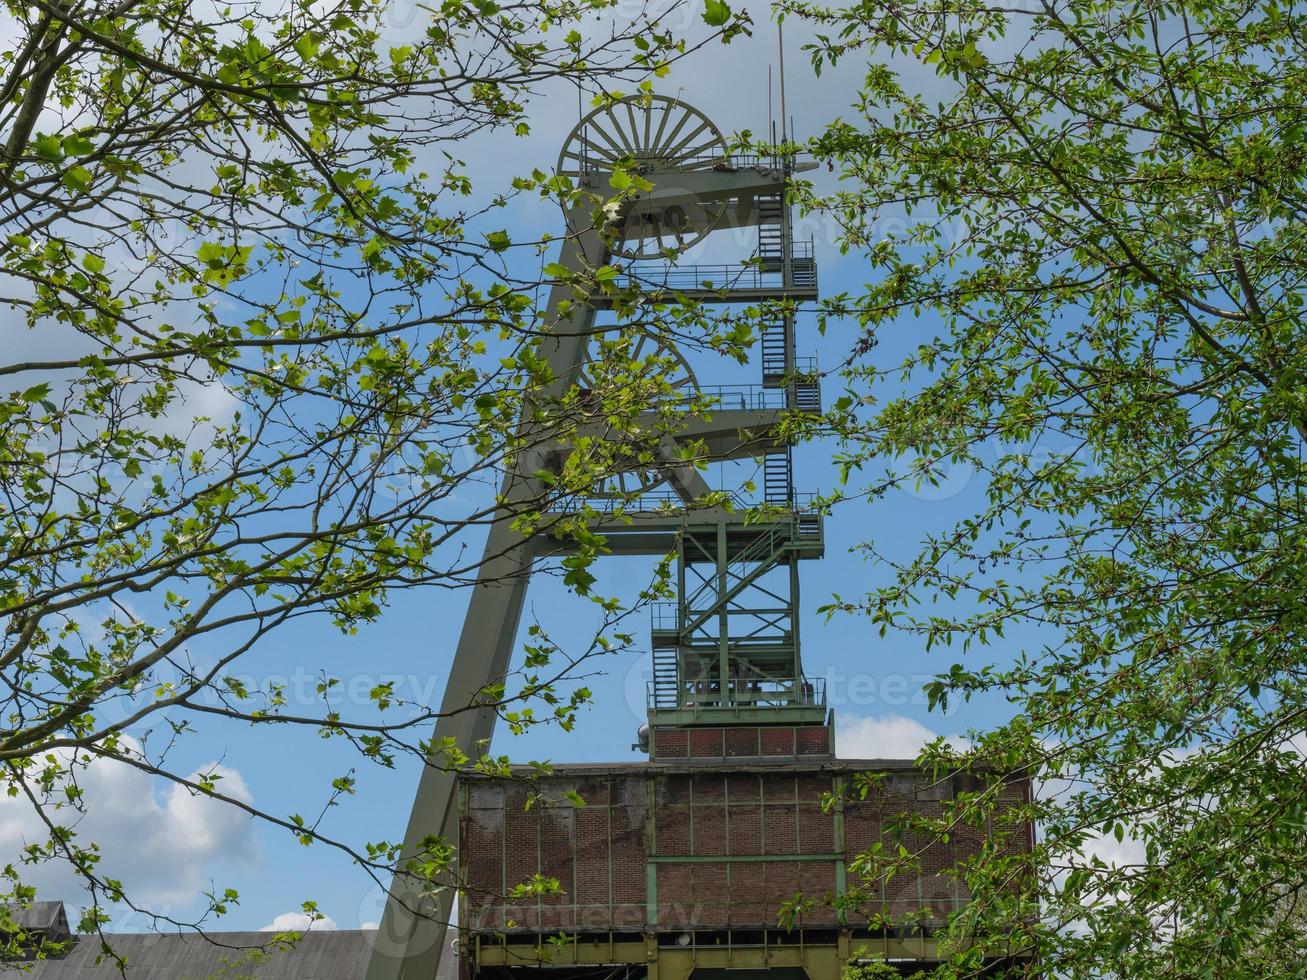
(270,354)
(1084,229)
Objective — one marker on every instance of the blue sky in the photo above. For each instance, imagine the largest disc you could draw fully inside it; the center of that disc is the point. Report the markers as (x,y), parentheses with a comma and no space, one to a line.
(874,682)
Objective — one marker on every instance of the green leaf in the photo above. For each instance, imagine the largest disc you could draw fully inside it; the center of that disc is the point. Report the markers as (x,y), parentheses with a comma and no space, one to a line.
(716,12)
(211,254)
(48,148)
(77,178)
(307,46)
(77,146)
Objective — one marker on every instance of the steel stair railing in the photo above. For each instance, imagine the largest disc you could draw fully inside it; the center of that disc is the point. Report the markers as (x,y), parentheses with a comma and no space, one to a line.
(753,552)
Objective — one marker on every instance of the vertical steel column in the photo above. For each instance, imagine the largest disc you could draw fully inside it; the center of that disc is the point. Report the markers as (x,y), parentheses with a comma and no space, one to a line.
(682,617)
(794,616)
(723,617)
(837,831)
(787,279)
(650,849)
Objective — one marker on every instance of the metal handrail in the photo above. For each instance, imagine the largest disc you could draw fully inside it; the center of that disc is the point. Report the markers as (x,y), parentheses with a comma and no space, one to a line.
(730,163)
(664,616)
(664,500)
(807,692)
(721,277)
(741,397)
(744,396)
(801,249)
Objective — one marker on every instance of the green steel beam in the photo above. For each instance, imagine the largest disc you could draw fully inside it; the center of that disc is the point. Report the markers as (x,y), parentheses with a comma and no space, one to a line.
(650,844)
(740,858)
(837,830)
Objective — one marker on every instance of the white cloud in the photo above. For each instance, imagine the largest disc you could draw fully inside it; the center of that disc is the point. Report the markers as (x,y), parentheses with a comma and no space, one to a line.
(885,737)
(369,926)
(1124,853)
(160,840)
(300,922)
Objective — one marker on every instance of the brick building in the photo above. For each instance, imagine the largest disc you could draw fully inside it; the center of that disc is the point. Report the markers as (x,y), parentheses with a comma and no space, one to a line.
(681,866)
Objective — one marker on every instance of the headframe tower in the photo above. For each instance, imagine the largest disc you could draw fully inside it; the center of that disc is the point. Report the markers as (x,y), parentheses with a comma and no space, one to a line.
(727,676)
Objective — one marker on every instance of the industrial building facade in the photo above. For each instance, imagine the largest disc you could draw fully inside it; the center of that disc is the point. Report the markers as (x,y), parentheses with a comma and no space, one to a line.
(671,868)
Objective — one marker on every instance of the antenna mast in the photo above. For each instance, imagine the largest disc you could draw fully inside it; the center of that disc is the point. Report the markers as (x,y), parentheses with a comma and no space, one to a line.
(780,44)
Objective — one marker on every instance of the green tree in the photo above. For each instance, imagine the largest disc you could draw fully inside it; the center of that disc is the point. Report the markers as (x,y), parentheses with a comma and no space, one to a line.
(1084,225)
(268,349)
(871,970)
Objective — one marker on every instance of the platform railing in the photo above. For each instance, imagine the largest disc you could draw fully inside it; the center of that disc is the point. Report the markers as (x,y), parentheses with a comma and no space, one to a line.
(663,617)
(742,397)
(722,277)
(803,393)
(706,695)
(715,162)
(656,501)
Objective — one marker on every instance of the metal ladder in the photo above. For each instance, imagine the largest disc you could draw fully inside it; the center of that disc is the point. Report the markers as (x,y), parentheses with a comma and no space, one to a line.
(778,478)
(665,680)
(775,348)
(771,232)
(806,397)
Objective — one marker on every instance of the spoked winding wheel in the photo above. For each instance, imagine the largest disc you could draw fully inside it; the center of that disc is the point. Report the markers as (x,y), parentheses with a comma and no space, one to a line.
(658,136)
(627,360)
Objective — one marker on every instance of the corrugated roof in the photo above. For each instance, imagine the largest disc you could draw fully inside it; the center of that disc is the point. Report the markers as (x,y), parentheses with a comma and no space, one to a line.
(319,955)
(44,917)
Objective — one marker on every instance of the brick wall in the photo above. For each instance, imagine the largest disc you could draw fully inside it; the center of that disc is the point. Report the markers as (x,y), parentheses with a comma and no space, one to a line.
(600,852)
(741,742)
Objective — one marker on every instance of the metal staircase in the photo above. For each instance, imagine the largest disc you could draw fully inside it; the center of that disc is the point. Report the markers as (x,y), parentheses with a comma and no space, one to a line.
(806,395)
(778,478)
(775,345)
(664,673)
(771,231)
